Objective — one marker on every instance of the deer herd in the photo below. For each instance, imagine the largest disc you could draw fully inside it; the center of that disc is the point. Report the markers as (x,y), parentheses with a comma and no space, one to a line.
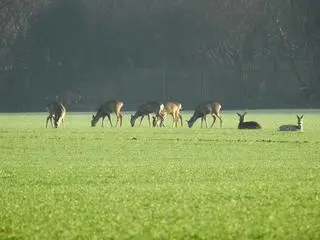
(160,111)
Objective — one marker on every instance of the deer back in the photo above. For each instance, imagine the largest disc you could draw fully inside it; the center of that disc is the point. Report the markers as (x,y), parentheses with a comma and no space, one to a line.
(109,107)
(150,107)
(247,125)
(112,106)
(57,111)
(209,107)
(292,127)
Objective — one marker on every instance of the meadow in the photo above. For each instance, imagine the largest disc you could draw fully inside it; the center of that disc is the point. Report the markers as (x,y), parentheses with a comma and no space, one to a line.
(79,182)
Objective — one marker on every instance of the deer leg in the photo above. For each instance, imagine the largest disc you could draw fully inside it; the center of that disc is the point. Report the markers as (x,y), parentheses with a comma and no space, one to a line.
(52,121)
(149,120)
(214,120)
(159,121)
(109,118)
(141,120)
(162,121)
(174,123)
(205,120)
(181,121)
(102,121)
(56,122)
(175,120)
(120,116)
(119,119)
(220,120)
(48,121)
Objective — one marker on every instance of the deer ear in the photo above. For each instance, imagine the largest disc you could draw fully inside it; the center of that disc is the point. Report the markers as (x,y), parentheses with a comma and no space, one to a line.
(301,116)
(244,113)
(239,114)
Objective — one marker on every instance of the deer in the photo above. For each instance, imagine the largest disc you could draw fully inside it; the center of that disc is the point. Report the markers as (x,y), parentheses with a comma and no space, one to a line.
(247,125)
(291,127)
(57,112)
(145,110)
(170,108)
(105,110)
(202,110)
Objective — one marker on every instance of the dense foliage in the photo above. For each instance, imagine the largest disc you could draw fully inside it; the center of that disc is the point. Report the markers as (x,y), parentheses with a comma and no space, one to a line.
(248,53)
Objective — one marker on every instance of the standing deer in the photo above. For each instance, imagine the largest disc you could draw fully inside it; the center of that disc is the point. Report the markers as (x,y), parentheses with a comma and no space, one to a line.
(202,110)
(291,127)
(247,125)
(57,112)
(170,108)
(106,109)
(145,110)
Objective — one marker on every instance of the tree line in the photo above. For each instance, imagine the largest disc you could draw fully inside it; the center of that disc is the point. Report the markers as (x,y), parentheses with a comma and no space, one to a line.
(247,53)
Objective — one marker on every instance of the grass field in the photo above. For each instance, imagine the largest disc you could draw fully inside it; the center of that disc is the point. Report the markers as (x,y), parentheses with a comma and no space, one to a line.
(79,182)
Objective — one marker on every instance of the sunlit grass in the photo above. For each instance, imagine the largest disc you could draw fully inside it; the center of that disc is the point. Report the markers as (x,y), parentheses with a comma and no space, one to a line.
(152,183)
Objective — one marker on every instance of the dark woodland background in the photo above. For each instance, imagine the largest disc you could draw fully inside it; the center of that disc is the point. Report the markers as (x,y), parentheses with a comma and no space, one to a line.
(244,54)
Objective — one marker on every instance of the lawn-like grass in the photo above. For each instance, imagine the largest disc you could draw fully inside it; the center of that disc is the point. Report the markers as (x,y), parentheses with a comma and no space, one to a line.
(79,182)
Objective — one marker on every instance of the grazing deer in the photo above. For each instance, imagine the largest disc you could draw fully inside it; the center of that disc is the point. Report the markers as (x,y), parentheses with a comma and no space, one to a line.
(202,110)
(145,110)
(57,112)
(106,109)
(247,125)
(170,108)
(298,127)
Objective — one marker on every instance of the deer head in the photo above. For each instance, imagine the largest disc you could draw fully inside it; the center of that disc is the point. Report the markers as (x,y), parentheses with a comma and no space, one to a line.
(241,116)
(300,120)
(93,121)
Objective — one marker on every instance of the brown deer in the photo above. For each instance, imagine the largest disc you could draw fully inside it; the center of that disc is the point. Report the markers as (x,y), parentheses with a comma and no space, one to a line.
(170,108)
(247,125)
(106,109)
(291,127)
(202,110)
(57,112)
(145,110)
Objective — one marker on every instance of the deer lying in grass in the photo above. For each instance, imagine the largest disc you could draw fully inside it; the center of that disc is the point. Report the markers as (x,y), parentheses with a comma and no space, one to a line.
(203,109)
(247,125)
(145,110)
(291,127)
(112,106)
(170,108)
(57,112)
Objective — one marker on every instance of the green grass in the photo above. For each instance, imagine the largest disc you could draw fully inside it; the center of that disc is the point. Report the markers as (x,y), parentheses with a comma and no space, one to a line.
(79,182)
